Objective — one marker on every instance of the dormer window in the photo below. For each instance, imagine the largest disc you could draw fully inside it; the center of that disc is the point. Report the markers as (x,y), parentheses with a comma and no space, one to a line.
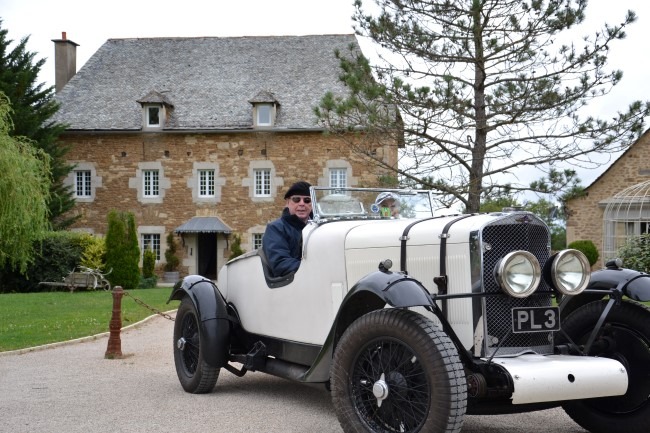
(265,108)
(264,112)
(156,108)
(153,116)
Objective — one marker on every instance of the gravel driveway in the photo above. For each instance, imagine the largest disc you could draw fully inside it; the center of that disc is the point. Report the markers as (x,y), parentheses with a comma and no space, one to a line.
(71,388)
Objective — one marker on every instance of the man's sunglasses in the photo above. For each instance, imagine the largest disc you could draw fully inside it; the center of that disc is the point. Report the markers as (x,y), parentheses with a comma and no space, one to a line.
(296,199)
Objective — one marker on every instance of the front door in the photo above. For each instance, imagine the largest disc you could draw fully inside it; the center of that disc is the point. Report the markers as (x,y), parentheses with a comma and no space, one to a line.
(207,259)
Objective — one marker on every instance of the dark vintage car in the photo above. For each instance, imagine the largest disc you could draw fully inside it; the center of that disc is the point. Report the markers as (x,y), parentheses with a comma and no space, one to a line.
(414,320)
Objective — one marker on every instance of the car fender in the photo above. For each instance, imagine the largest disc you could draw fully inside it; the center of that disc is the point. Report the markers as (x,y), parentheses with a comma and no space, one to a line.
(393,288)
(211,309)
(370,293)
(633,284)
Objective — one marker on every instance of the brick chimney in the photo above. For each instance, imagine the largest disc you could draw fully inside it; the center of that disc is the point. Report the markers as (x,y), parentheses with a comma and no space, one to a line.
(65,61)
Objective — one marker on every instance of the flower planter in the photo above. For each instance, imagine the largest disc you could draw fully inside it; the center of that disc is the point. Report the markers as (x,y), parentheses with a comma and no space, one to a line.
(171,277)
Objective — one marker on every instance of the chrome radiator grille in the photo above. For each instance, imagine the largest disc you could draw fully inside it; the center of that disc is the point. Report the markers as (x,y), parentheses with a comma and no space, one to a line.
(514,232)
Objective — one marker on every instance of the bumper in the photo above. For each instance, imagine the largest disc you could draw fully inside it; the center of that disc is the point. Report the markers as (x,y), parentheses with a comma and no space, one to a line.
(540,378)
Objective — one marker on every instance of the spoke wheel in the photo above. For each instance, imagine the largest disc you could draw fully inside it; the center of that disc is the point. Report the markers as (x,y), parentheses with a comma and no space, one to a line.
(625,337)
(194,374)
(395,371)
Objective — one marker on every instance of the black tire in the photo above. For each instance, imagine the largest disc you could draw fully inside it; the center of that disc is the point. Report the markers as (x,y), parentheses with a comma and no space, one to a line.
(416,365)
(628,327)
(195,375)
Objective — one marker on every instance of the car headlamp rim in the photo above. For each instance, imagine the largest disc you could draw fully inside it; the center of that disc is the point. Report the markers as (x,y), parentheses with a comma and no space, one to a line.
(559,272)
(519,284)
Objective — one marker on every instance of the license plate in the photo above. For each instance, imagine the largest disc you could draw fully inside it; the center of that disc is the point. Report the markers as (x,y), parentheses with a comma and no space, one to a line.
(535,319)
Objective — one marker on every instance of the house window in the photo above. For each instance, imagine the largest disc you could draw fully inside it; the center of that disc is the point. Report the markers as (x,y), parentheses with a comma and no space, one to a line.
(338,177)
(262,183)
(151,183)
(257,240)
(151,241)
(206,183)
(645,227)
(153,116)
(82,183)
(264,114)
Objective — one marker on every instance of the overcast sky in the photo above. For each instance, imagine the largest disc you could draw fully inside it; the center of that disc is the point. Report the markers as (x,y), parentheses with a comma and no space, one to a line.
(90,23)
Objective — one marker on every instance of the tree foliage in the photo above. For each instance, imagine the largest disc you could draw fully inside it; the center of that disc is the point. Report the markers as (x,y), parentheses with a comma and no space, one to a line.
(122,250)
(481,88)
(33,106)
(24,192)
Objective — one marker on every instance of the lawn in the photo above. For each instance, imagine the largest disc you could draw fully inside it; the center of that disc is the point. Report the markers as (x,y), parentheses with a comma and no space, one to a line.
(33,319)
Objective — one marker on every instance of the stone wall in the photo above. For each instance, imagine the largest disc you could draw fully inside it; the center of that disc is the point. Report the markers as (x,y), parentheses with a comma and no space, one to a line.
(116,158)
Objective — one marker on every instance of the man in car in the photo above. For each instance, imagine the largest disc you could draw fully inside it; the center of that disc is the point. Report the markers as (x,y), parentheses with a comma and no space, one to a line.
(282,240)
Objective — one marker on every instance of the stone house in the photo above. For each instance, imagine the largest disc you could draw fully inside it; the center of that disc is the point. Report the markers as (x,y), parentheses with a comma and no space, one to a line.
(608,214)
(202,136)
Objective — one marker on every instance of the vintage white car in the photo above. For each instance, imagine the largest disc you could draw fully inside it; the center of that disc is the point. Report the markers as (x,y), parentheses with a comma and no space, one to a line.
(414,320)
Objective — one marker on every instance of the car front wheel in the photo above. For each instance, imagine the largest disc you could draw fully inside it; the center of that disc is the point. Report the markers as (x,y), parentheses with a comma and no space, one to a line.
(396,371)
(195,375)
(625,337)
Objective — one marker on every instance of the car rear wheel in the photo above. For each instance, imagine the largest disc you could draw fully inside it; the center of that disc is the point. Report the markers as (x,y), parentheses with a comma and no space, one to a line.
(195,375)
(625,337)
(395,371)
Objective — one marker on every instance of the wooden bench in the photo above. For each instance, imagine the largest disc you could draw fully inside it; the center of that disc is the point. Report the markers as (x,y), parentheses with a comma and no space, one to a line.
(75,280)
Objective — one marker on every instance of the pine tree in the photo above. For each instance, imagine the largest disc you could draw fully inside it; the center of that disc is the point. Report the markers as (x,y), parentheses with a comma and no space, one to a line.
(480,88)
(33,106)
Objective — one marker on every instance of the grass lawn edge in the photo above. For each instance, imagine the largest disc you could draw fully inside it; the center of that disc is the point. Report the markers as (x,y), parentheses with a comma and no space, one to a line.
(81,339)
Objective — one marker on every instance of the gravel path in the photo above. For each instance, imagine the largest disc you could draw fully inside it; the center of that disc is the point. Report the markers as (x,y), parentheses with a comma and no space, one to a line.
(72,388)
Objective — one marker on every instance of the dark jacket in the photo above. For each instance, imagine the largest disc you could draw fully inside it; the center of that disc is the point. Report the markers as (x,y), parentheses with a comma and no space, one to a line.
(282,243)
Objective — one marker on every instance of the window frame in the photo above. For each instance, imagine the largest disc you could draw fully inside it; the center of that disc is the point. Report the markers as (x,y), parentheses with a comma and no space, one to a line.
(262,187)
(336,174)
(266,110)
(153,237)
(150,187)
(85,183)
(206,187)
(148,116)
(257,240)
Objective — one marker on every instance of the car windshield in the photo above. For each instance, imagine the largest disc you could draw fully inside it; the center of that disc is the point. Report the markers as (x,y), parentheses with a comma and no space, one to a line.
(370,203)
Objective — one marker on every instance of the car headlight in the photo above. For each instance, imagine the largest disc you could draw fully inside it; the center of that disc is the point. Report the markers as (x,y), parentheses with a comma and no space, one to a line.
(519,274)
(570,272)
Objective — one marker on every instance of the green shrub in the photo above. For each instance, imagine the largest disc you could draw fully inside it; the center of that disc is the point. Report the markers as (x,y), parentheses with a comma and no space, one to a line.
(635,253)
(588,248)
(148,283)
(235,247)
(58,254)
(94,254)
(122,250)
(148,263)
(171,259)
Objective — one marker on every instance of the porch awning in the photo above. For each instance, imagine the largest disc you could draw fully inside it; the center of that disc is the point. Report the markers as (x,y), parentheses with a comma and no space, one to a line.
(204,225)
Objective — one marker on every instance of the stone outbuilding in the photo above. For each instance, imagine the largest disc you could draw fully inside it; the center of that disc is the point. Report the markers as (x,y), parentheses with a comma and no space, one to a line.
(616,206)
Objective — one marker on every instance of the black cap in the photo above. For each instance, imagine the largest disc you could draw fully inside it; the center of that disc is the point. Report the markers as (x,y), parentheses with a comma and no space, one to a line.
(298,188)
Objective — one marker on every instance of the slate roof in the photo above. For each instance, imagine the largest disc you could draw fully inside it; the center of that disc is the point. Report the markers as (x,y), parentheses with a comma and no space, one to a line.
(208,81)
